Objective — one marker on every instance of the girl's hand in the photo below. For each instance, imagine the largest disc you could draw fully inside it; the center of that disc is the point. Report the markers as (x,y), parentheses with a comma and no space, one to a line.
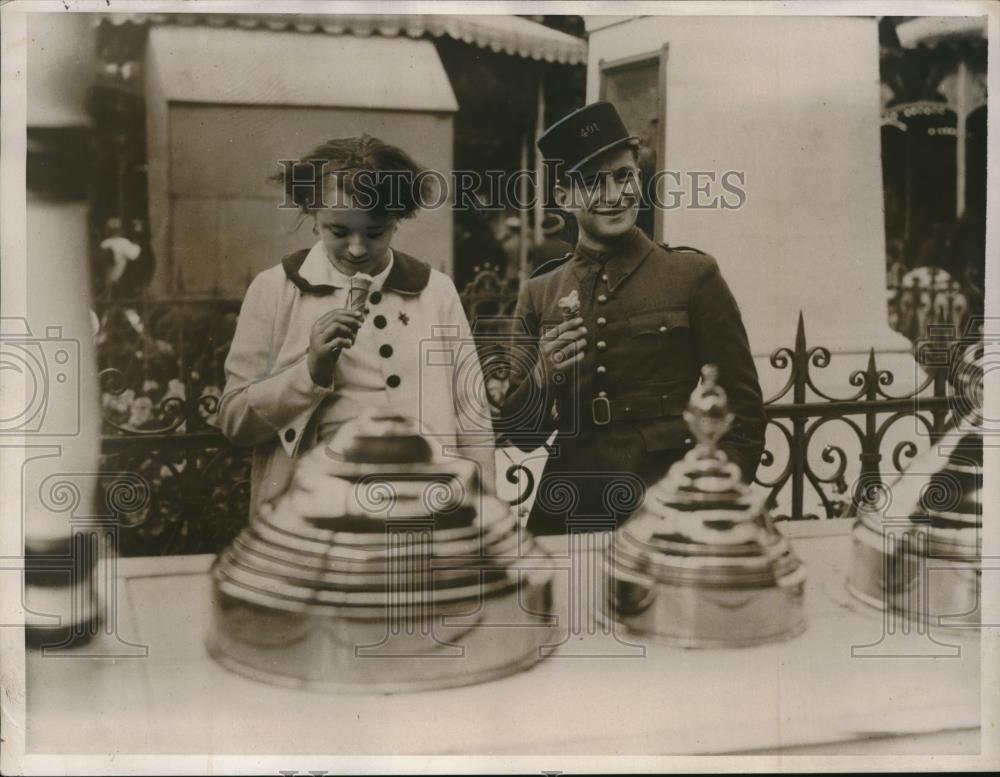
(332,332)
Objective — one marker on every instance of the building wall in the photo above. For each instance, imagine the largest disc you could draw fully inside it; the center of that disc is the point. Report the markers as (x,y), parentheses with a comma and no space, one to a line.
(793,102)
(224,223)
(225,105)
(62,64)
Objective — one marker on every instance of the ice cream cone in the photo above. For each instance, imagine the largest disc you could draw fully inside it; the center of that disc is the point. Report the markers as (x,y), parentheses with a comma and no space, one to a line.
(358,294)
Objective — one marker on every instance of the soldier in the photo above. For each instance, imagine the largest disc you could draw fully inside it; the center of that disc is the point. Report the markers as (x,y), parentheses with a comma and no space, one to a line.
(614,375)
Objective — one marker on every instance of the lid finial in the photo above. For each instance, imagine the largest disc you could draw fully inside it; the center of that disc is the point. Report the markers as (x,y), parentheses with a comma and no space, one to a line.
(707,415)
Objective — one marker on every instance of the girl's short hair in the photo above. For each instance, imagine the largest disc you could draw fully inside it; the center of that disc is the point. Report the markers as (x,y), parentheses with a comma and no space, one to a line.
(377,176)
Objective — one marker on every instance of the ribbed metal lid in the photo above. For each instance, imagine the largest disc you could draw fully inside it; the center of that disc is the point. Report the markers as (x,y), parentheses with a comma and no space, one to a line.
(359,527)
(701,524)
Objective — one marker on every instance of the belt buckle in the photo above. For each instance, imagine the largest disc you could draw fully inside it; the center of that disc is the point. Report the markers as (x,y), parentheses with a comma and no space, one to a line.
(605,418)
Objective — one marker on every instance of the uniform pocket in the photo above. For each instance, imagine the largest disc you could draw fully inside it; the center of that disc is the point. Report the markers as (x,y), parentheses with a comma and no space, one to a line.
(658,322)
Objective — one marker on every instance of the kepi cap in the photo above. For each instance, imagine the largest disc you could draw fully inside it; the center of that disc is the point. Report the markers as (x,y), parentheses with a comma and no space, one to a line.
(583,134)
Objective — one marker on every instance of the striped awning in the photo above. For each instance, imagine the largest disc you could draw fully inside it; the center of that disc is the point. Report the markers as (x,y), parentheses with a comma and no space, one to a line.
(505,34)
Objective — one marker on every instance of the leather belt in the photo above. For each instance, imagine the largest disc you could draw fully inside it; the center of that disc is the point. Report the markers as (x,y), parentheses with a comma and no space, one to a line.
(605,411)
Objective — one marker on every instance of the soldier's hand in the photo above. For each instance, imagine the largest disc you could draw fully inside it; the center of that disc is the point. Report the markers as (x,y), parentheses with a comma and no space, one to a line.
(561,349)
(332,332)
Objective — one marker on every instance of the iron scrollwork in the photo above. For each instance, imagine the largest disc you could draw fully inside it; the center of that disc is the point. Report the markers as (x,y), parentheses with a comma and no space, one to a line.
(162,377)
(870,413)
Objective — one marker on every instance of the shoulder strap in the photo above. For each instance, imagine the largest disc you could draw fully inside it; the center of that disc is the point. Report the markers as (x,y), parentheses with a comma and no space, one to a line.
(550,265)
(686,249)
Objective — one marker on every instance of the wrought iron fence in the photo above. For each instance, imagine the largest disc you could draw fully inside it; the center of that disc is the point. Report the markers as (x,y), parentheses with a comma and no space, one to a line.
(490,299)
(162,375)
(927,296)
(868,413)
(161,368)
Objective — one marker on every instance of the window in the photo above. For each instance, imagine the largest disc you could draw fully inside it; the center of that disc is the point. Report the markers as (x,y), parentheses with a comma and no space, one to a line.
(637,86)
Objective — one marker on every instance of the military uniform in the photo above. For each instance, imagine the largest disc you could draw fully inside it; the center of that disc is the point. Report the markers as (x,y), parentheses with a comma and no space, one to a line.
(654,316)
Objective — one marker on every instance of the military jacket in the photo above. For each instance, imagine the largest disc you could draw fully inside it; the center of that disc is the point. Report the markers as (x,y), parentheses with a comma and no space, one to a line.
(654,317)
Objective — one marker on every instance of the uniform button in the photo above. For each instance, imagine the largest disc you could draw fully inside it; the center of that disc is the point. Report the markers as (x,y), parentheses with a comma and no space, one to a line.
(602,298)
(385,351)
(379,322)
(602,321)
(289,435)
(602,393)
(663,329)
(604,277)
(601,369)
(601,345)
(375,297)
(687,440)
(392,381)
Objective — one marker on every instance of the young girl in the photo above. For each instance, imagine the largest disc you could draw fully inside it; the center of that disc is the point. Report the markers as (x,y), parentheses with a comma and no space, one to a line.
(303,362)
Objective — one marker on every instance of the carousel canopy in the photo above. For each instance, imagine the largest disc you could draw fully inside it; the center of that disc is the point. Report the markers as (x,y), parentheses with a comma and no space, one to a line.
(507,34)
(933,29)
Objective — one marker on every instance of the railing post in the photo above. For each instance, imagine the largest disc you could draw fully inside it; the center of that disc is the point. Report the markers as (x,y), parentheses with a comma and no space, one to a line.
(145,339)
(935,355)
(940,415)
(950,335)
(800,373)
(871,475)
(182,360)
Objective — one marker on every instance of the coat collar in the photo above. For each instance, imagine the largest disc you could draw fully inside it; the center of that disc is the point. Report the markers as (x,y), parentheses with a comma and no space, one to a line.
(619,261)
(406,276)
(317,270)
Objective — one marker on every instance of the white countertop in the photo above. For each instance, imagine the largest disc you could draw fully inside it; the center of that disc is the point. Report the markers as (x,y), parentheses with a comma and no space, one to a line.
(805,695)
